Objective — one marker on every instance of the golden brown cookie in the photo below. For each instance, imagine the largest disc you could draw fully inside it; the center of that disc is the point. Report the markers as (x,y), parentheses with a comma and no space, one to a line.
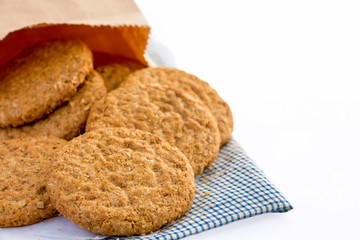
(193,85)
(114,74)
(41,78)
(119,181)
(166,112)
(25,165)
(68,120)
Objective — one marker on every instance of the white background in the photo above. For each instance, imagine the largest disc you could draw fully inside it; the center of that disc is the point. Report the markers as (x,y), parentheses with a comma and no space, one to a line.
(290,71)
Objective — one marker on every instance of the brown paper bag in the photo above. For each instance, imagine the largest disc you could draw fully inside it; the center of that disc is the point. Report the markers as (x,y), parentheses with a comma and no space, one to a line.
(113,30)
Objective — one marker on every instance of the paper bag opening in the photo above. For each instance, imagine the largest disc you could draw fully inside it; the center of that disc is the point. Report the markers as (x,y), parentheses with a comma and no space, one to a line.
(124,39)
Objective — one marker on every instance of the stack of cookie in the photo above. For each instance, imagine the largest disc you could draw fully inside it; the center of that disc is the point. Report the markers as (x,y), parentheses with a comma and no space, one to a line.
(172,104)
(48,90)
(133,169)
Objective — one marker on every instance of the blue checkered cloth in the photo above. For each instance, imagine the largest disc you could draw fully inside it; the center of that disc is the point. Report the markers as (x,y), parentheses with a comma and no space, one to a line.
(233,188)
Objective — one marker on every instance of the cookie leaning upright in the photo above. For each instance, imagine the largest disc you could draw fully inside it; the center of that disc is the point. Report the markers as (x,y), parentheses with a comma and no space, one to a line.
(167,112)
(66,121)
(194,86)
(40,78)
(25,165)
(119,181)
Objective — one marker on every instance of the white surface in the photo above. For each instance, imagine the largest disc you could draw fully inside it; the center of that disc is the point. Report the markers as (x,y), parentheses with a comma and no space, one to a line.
(290,71)
(51,229)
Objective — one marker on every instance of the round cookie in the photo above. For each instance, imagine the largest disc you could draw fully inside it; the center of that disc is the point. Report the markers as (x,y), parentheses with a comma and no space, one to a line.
(194,86)
(25,165)
(119,181)
(67,121)
(166,112)
(113,74)
(41,78)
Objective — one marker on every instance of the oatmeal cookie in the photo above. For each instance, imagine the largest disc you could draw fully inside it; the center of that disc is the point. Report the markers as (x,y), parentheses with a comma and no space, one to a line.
(167,112)
(25,165)
(66,121)
(119,181)
(113,74)
(41,78)
(194,86)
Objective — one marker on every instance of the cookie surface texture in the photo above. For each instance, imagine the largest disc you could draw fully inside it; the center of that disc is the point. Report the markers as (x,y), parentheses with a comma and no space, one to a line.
(41,78)
(114,74)
(68,120)
(193,85)
(24,170)
(118,181)
(167,112)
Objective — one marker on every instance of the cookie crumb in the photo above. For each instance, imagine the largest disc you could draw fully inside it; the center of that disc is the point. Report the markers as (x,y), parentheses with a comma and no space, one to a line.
(205,179)
(40,205)
(205,194)
(213,171)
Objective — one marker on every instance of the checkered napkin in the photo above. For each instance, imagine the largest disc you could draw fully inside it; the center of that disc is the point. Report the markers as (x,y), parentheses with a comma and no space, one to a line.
(233,188)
